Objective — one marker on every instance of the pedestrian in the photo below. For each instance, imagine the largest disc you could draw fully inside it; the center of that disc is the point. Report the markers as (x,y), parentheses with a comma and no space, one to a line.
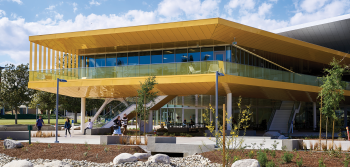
(117,126)
(125,124)
(89,126)
(39,123)
(67,126)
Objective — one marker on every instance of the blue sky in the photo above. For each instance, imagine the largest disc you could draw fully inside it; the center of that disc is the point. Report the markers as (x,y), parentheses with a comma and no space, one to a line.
(21,18)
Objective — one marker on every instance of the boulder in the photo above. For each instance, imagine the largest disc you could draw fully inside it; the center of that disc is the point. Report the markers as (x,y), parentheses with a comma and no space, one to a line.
(142,155)
(19,163)
(10,144)
(282,137)
(272,134)
(161,158)
(57,163)
(124,157)
(246,163)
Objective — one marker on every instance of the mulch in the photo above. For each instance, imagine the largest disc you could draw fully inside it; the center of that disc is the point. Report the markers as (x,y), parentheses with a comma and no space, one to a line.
(310,159)
(59,151)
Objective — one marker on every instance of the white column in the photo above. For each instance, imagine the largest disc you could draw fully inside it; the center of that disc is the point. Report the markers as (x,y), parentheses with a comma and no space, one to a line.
(82,115)
(229,110)
(196,111)
(150,121)
(183,115)
(314,115)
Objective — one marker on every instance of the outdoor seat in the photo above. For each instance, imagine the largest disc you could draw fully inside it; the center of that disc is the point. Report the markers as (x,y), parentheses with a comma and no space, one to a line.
(213,68)
(192,70)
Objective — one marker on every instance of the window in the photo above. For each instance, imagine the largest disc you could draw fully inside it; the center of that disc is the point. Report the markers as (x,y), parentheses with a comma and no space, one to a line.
(90,61)
(122,59)
(81,61)
(168,56)
(100,60)
(228,53)
(207,54)
(133,58)
(219,52)
(145,58)
(181,55)
(156,57)
(194,54)
(111,60)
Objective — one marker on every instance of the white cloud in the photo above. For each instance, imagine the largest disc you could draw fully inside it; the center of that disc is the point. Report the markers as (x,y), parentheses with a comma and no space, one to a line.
(17,1)
(2,13)
(51,7)
(58,16)
(312,5)
(243,5)
(93,2)
(75,7)
(264,9)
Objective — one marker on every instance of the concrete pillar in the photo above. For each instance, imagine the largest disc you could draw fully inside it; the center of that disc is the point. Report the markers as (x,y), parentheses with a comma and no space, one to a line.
(82,115)
(314,115)
(26,109)
(196,112)
(183,115)
(150,120)
(229,111)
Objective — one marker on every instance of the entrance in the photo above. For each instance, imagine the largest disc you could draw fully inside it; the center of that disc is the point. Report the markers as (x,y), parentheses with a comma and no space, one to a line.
(220,55)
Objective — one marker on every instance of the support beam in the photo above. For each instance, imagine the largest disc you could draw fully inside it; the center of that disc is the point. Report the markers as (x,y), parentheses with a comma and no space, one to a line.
(57,60)
(35,56)
(314,115)
(44,58)
(82,115)
(53,59)
(48,58)
(107,101)
(31,56)
(40,57)
(61,60)
(229,111)
(150,120)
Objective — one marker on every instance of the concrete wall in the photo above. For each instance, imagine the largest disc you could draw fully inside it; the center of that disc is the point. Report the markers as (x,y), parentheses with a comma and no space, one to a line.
(248,133)
(112,139)
(98,131)
(24,128)
(15,135)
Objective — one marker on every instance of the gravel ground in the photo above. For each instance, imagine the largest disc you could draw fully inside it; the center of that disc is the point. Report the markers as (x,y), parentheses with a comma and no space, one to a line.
(190,161)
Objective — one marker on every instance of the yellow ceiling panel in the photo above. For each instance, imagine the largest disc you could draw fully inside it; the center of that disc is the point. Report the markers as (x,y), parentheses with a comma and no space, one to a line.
(164,35)
(170,35)
(178,34)
(149,36)
(137,37)
(185,34)
(157,36)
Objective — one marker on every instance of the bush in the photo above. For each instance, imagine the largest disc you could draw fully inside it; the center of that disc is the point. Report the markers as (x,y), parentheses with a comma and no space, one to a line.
(300,163)
(251,154)
(262,158)
(270,164)
(273,154)
(287,157)
(321,163)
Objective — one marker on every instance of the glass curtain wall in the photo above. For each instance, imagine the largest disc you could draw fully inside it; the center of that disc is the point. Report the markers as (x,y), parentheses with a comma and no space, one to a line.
(122,59)
(111,59)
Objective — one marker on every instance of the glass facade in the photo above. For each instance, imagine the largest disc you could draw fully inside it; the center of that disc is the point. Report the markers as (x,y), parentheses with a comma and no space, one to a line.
(133,58)
(122,59)
(100,60)
(145,57)
(168,56)
(194,54)
(111,59)
(156,57)
(181,55)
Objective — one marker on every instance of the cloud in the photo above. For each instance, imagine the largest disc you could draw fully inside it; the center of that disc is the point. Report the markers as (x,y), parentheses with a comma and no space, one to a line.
(312,5)
(93,2)
(2,13)
(75,7)
(243,5)
(51,7)
(58,16)
(17,1)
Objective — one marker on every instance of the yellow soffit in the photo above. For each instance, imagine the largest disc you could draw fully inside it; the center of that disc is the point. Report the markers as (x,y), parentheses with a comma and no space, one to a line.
(214,29)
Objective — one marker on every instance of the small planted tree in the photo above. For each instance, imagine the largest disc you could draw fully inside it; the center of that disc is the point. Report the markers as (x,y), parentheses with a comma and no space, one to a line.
(45,101)
(332,91)
(145,95)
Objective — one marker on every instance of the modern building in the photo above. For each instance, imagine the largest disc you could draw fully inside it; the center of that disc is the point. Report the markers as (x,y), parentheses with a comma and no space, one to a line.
(275,73)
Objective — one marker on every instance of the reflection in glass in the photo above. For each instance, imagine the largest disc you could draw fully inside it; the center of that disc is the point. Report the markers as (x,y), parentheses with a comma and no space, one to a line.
(168,56)
(145,57)
(122,59)
(207,54)
(219,57)
(181,55)
(133,58)
(90,61)
(228,53)
(81,61)
(111,60)
(156,57)
(194,54)
(100,60)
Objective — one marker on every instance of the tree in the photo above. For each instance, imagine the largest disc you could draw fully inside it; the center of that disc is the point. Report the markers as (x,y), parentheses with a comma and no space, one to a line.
(332,91)
(14,86)
(45,101)
(145,95)
(71,104)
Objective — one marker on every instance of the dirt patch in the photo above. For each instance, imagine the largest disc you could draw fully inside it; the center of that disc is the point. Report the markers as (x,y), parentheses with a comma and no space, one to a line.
(310,159)
(89,152)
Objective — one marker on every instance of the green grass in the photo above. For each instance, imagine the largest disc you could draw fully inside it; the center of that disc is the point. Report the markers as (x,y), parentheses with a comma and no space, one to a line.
(30,121)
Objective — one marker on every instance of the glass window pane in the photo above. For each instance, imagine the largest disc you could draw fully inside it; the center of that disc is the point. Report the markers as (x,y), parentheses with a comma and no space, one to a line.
(81,61)
(219,48)
(145,57)
(207,54)
(122,59)
(133,58)
(90,61)
(100,60)
(168,56)
(111,60)
(228,53)
(194,54)
(220,57)
(181,55)
(156,57)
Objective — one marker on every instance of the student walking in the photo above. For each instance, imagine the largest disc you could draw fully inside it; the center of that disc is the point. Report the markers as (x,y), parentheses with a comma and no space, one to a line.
(39,123)
(67,126)
(117,126)
(125,124)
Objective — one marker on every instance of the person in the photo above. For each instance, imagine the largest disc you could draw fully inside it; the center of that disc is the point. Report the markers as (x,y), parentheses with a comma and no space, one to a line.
(184,123)
(192,124)
(39,123)
(89,126)
(125,124)
(67,126)
(117,126)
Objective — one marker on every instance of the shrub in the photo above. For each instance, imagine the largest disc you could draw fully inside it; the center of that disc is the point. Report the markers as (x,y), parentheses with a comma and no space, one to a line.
(48,145)
(138,141)
(106,149)
(85,154)
(346,163)
(324,146)
(316,146)
(270,164)
(273,154)
(251,154)
(300,163)
(311,145)
(262,158)
(287,157)
(321,163)
(132,141)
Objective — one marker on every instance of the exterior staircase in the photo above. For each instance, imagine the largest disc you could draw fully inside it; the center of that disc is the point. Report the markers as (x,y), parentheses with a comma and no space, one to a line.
(130,111)
(281,117)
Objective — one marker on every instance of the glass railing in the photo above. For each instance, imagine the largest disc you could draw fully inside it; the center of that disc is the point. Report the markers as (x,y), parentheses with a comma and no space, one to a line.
(186,68)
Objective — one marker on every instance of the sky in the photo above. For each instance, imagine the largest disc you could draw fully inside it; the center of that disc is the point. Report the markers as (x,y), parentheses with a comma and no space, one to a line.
(20,19)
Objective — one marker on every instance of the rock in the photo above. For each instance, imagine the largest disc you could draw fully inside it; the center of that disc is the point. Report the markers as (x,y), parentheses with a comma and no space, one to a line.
(246,163)
(272,134)
(282,137)
(162,158)
(124,157)
(142,155)
(19,163)
(10,144)
(57,164)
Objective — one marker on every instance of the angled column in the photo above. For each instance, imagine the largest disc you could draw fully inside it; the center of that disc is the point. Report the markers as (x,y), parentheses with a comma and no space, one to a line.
(82,116)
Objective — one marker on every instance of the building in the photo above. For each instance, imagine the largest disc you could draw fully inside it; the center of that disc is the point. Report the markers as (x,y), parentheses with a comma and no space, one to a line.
(274,73)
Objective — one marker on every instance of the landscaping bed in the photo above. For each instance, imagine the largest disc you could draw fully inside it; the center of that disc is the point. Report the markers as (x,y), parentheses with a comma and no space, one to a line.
(88,152)
(310,158)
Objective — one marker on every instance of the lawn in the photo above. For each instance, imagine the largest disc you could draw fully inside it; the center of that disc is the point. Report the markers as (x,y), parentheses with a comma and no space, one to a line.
(30,121)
